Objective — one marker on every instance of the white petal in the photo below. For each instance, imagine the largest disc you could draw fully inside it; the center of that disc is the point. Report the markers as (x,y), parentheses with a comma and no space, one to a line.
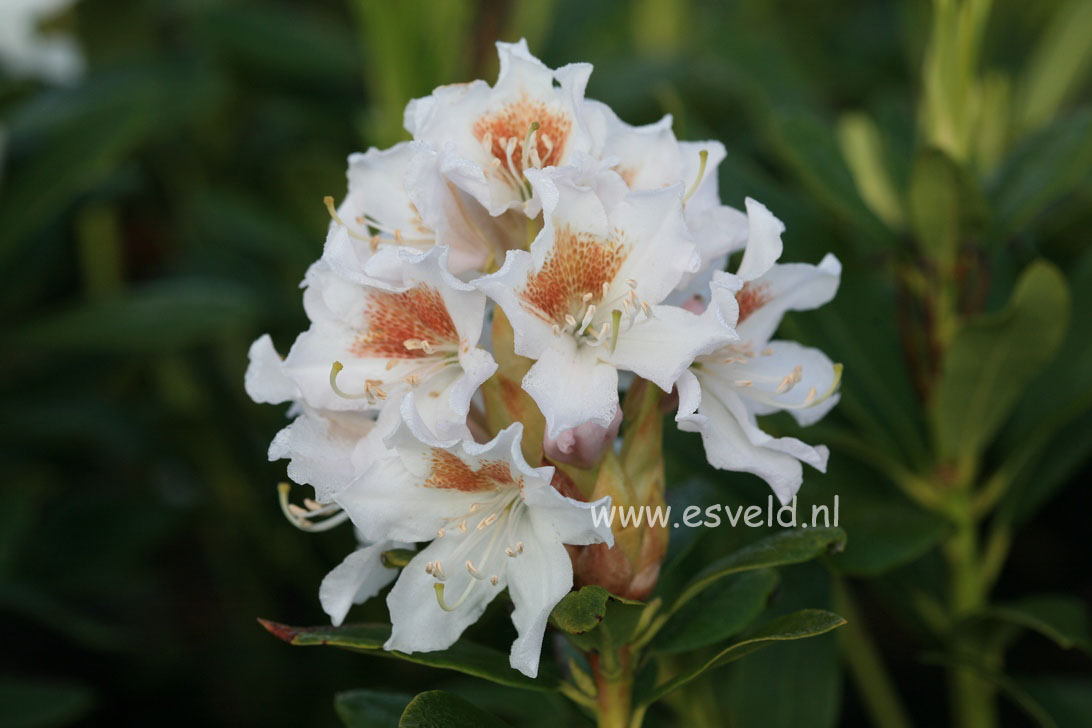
(763,241)
(537,580)
(727,447)
(662,347)
(807,399)
(532,334)
(572,387)
(329,450)
(266,381)
(565,519)
(525,91)
(787,287)
(418,623)
(355,580)
(733,441)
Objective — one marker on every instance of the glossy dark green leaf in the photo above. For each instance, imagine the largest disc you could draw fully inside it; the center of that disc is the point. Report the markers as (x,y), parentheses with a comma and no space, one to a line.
(720,612)
(440,709)
(795,626)
(780,549)
(757,687)
(993,357)
(370,708)
(464,656)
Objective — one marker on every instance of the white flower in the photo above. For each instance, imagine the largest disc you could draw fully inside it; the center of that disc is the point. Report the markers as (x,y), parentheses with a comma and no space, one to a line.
(358,578)
(326,449)
(523,122)
(404,196)
(723,392)
(585,300)
(649,157)
(494,522)
(369,344)
(26,52)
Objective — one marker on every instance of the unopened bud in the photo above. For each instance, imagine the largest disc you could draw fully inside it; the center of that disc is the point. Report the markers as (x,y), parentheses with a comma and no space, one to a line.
(583,446)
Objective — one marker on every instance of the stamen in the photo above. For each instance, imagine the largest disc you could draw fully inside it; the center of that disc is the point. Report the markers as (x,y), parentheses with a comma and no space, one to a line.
(743,382)
(329,202)
(305,519)
(493,580)
(335,369)
(588,316)
(474,571)
(704,156)
(441,533)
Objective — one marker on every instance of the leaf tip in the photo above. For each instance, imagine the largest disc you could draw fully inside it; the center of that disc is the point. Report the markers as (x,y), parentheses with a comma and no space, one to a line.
(278,630)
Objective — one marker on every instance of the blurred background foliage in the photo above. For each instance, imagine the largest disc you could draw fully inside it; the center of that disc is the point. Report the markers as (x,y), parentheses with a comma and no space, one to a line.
(158,214)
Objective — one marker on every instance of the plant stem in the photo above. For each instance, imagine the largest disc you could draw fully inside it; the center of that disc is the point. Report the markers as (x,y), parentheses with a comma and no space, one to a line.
(614,680)
(874,685)
(973,699)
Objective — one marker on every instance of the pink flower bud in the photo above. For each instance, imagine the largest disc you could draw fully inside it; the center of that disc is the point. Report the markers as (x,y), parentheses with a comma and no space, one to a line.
(583,446)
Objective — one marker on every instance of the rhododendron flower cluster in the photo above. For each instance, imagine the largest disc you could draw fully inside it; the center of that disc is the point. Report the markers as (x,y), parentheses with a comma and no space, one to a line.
(602,245)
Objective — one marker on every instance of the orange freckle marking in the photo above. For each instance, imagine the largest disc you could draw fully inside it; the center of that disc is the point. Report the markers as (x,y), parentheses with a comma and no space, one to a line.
(449,471)
(751,298)
(579,264)
(392,318)
(628,175)
(515,119)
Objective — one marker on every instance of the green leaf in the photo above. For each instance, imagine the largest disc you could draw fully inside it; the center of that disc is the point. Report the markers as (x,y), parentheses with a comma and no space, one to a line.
(798,625)
(370,708)
(397,558)
(726,608)
(993,357)
(157,317)
(780,549)
(582,610)
(863,148)
(758,689)
(41,704)
(810,148)
(935,205)
(439,709)
(464,656)
(1045,167)
(1062,58)
(1068,699)
(888,529)
(1058,617)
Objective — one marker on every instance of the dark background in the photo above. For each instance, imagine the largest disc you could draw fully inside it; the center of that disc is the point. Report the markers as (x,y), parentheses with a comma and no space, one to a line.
(158,215)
